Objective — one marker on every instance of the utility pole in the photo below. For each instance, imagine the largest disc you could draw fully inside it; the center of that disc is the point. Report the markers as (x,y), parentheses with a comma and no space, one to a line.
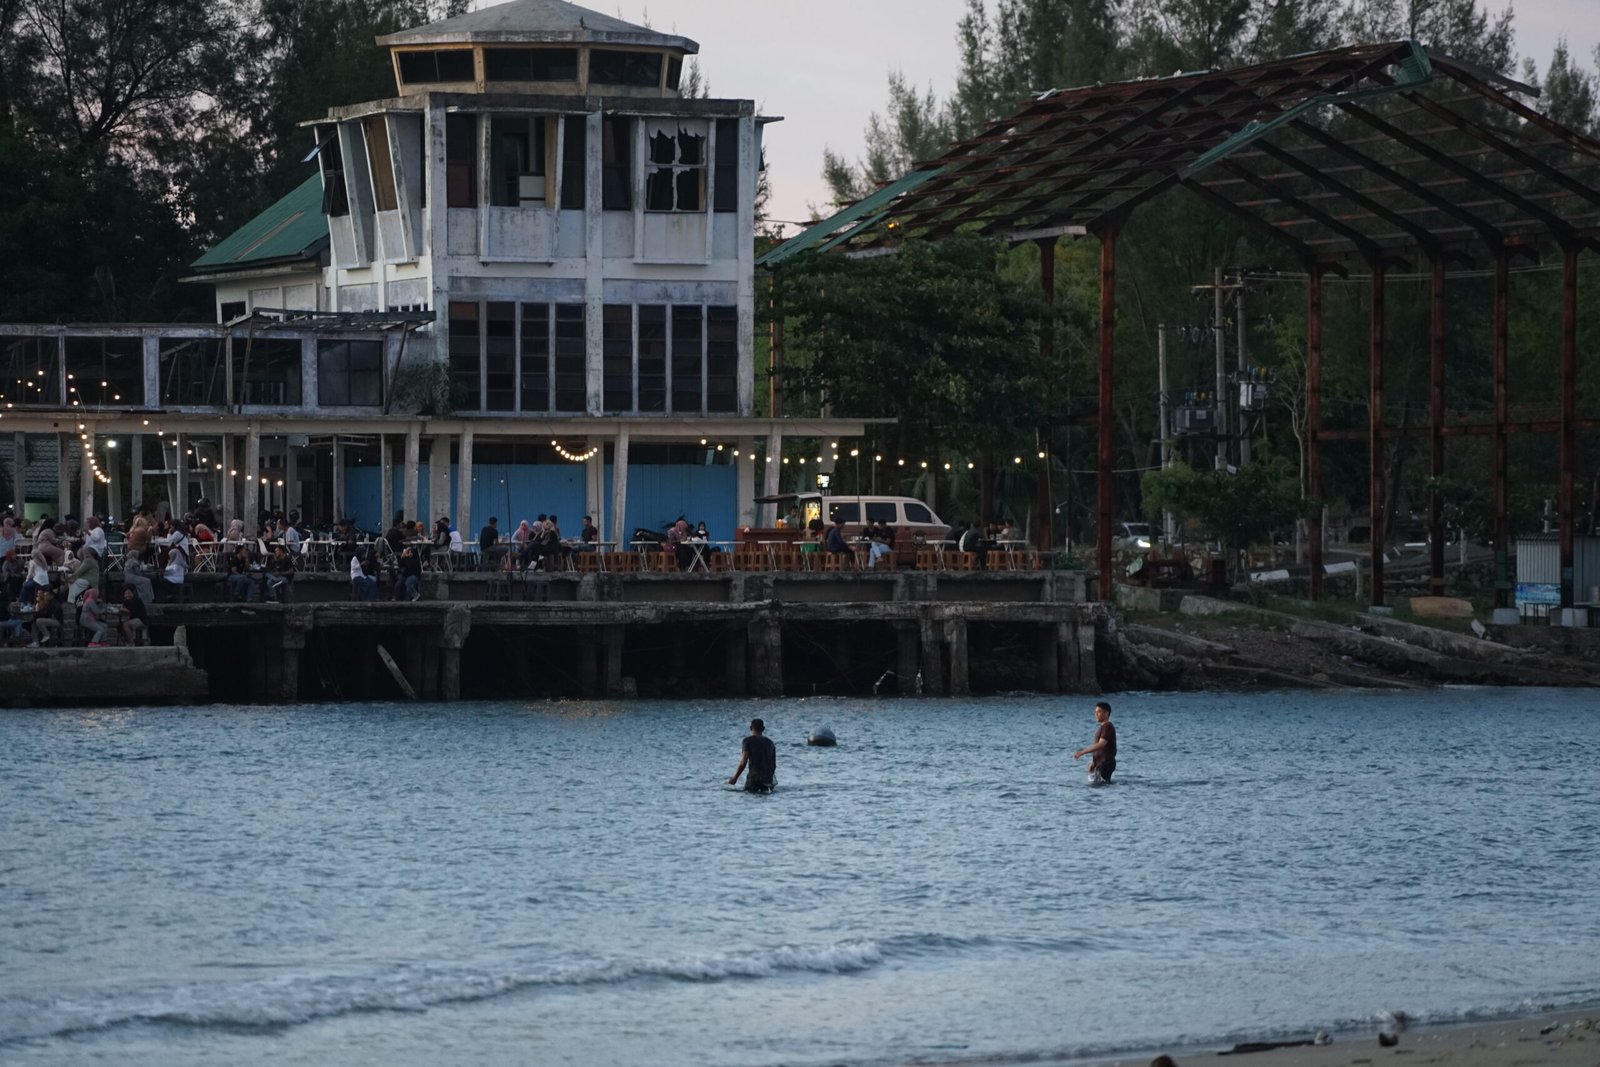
(1220,401)
(1242,373)
(1168,528)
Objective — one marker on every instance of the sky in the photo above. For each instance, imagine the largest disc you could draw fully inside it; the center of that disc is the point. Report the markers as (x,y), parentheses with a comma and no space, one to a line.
(824,64)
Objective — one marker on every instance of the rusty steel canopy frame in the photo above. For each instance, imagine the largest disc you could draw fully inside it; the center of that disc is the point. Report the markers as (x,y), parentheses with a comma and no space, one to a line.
(1372,155)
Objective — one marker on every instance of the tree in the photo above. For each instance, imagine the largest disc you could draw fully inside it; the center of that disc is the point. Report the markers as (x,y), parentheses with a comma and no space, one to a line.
(1238,509)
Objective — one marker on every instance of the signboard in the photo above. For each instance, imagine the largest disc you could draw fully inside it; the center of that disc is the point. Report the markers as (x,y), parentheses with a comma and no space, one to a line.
(1538,593)
(824,481)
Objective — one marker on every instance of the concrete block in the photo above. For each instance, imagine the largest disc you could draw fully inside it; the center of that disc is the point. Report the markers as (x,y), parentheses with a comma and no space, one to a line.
(1440,607)
(1506,617)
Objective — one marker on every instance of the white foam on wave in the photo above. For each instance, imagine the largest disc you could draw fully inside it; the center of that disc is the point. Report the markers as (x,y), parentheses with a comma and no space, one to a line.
(289,1000)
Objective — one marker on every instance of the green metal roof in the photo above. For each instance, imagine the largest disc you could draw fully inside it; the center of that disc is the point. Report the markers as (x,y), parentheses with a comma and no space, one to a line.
(864,213)
(293,228)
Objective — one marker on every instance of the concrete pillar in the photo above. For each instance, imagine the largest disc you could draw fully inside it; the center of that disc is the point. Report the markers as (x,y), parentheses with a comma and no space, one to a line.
(932,635)
(136,461)
(590,681)
(86,479)
(338,479)
(745,473)
(772,464)
(19,471)
(227,484)
(611,642)
(297,623)
(250,482)
(765,660)
(410,501)
(453,635)
(180,496)
(438,480)
(908,656)
(385,484)
(619,492)
(594,483)
(1049,680)
(736,647)
(63,478)
(955,636)
(464,488)
(114,487)
(594,265)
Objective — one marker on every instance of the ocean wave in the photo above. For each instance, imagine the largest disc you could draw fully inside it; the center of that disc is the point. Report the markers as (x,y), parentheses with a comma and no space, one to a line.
(283,1001)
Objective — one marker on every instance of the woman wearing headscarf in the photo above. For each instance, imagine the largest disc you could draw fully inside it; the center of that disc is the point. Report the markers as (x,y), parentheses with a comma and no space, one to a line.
(8,535)
(92,617)
(47,550)
(85,577)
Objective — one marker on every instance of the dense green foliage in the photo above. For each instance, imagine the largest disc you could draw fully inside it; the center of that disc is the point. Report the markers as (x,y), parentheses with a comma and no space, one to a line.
(135,133)
(1011,48)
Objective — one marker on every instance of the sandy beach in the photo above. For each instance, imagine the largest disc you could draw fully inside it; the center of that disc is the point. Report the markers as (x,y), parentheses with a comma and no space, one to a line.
(1553,1039)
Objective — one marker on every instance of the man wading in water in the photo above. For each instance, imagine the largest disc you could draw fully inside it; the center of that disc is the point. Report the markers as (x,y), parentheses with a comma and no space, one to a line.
(1104,748)
(761,756)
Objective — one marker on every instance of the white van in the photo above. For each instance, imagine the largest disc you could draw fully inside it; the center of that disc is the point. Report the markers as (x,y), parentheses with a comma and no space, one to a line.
(912,521)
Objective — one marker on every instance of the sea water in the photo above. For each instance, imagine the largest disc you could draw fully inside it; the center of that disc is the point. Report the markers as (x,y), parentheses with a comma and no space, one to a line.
(573,883)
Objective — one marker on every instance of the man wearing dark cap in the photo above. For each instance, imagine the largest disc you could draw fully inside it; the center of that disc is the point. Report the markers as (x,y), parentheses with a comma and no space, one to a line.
(759,754)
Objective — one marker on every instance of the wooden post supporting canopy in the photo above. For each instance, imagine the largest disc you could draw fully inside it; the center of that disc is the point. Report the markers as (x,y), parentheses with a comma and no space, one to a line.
(1108,345)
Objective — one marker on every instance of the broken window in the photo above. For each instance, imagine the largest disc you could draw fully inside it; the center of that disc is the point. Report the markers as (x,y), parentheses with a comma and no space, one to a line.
(688,358)
(572,389)
(652,357)
(675,173)
(517,161)
(376,131)
(639,70)
(617,357)
(192,371)
(616,173)
(722,359)
(726,196)
(32,375)
(465,357)
(535,345)
(530,64)
(105,372)
(461,160)
(449,65)
(335,198)
(350,373)
(574,161)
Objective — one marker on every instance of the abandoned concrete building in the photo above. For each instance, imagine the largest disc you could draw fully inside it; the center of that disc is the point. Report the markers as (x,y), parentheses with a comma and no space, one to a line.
(523,283)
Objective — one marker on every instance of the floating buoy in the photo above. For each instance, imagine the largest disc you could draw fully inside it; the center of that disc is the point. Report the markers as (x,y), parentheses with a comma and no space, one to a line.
(823,738)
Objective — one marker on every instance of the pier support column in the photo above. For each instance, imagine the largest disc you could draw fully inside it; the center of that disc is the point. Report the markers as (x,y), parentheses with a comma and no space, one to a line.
(932,658)
(619,492)
(612,639)
(765,638)
(385,484)
(438,481)
(180,463)
(336,512)
(296,625)
(590,681)
(453,635)
(955,636)
(86,477)
(19,471)
(1049,680)
(908,654)
(736,647)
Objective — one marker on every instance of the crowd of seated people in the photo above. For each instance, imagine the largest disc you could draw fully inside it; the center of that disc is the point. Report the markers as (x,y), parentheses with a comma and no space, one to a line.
(53,571)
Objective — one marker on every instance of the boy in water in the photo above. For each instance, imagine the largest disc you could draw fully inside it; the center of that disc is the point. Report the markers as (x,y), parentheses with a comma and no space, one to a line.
(1104,748)
(761,755)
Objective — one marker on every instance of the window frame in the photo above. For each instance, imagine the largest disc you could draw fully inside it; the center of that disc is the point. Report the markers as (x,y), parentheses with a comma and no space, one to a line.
(681,176)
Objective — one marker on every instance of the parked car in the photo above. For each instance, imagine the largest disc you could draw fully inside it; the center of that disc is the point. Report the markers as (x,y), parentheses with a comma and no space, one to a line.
(913,521)
(1132,536)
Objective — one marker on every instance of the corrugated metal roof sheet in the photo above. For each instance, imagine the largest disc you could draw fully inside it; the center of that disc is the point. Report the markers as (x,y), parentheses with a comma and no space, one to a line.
(293,228)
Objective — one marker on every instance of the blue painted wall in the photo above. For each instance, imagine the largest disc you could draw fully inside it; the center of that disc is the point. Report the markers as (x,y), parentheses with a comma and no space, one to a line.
(656,496)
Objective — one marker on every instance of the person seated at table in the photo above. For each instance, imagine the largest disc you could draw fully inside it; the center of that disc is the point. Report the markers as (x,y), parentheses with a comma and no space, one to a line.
(204,515)
(47,548)
(85,576)
(135,624)
(396,536)
(288,537)
(363,577)
(242,576)
(176,543)
(678,542)
(794,520)
(534,547)
(137,542)
(556,549)
(94,536)
(280,574)
(205,539)
(971,540)
(1008,532)
(441,534)
(408,581)
(92,618)
(877,550)
(12,574)
(46,620)
(836,544)
(588,537)
(8,535)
